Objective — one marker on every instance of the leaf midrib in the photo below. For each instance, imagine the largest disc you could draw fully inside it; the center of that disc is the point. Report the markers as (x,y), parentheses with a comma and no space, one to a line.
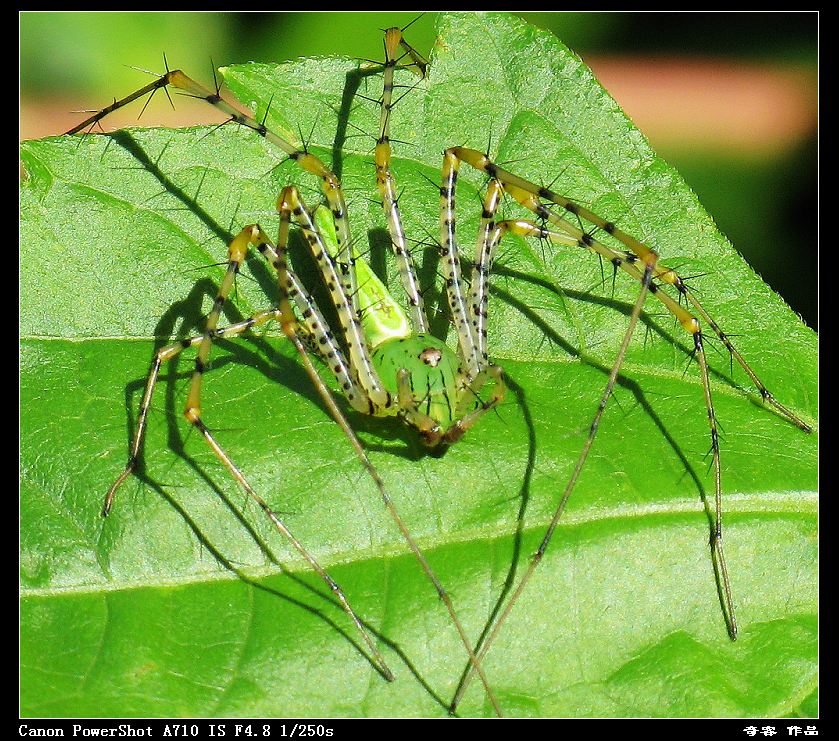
(788,504)
(627,368)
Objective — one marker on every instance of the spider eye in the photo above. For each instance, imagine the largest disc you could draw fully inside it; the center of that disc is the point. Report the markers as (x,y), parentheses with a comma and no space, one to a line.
(431,356)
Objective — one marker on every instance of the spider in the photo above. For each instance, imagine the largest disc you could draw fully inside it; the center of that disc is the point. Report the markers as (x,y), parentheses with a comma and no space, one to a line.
(384,360)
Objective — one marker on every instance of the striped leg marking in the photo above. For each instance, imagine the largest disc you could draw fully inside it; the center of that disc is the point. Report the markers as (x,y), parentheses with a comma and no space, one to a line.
(387,189)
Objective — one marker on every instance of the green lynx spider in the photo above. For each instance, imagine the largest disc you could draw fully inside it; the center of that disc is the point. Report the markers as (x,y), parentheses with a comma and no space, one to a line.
(386,368)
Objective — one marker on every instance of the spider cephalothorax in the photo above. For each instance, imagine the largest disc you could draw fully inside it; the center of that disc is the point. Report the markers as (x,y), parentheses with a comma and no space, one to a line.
(427,383)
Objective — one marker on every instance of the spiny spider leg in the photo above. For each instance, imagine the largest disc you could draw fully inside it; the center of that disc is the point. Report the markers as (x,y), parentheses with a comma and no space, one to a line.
(161,356)
(387,189)
(375,397)
(289,204)
(308,162)
(236,255)
(537,557)
(531,196)
(450,266)
(488,238)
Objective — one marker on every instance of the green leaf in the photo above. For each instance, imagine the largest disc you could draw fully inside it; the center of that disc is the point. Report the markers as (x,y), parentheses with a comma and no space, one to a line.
(186,602)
